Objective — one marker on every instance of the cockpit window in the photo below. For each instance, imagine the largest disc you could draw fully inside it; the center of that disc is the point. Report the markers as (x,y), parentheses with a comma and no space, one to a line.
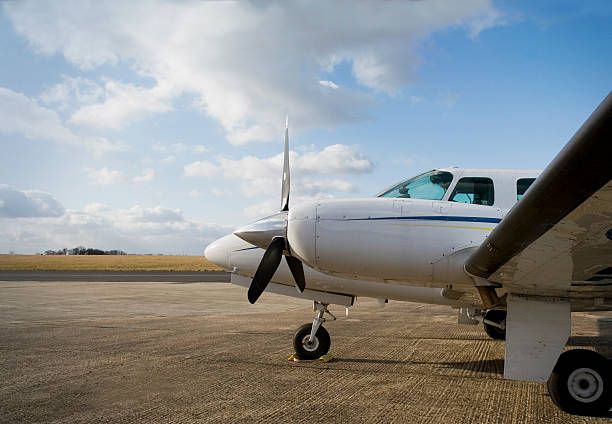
(431,185)
(474,190)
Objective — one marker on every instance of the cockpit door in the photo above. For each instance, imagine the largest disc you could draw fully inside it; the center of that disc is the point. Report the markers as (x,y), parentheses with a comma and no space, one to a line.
(441,207)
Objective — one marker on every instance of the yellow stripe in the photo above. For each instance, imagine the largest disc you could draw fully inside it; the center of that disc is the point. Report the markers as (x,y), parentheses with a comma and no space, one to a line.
(444,226)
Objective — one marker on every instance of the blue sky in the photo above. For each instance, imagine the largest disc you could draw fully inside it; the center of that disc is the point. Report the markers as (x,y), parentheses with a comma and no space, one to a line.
(157,126)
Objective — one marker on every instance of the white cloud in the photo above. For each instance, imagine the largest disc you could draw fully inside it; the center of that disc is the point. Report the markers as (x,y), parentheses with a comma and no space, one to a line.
(262,175)
(96,208)
(415,100)
(28,203)
(329,84)
(261,209)
(180,147)
(220,192)
(245,63)
(314,187)
(200,169)
(146,176)
(159,147)
(168,159)
(194,193)
(338,158)
(135,230)
(104,176)
(124,103)
(24,116)
(156,214)
(257,175)
(72,92)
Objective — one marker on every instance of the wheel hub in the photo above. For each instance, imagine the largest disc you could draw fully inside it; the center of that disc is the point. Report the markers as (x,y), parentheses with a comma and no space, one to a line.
(310,345)
(585,385)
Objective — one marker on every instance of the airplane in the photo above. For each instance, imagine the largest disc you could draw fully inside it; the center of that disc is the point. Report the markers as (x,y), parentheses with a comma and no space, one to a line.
(518,250)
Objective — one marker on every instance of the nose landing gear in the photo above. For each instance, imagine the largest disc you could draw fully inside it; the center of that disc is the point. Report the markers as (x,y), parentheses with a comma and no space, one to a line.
(311,341)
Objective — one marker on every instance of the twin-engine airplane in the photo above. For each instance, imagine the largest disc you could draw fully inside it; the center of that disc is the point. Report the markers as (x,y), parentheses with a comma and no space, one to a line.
(517,250)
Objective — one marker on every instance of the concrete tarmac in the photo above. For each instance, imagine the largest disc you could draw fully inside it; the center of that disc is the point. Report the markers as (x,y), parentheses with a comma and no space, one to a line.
(73,352)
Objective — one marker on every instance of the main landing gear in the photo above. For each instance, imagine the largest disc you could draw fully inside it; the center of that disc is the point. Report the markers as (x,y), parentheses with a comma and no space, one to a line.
(494,322)
(581,383)
(311,341)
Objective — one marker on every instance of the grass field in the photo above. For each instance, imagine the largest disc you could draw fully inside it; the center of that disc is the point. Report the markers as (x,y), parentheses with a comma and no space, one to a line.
(105,263)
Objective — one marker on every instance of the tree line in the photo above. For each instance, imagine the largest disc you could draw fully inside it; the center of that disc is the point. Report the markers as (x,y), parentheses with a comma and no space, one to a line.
(81,250)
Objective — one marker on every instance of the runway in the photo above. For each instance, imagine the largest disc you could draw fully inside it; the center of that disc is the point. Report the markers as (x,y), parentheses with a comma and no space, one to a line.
(200,353)
(116,276)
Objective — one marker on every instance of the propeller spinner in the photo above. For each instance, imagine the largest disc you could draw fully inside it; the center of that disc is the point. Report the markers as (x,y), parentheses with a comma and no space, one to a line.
(271,234)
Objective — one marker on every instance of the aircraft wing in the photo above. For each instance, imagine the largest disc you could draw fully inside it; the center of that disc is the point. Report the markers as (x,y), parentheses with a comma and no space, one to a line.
(557,240)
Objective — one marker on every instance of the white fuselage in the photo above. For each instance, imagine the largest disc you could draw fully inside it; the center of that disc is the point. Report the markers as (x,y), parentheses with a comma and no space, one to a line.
(379,247)
(401,240)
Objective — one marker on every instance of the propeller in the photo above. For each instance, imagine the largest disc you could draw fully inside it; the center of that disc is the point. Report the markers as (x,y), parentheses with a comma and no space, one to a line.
(271,234)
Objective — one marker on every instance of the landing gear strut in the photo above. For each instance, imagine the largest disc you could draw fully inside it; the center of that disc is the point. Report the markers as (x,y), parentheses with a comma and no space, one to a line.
(311,341)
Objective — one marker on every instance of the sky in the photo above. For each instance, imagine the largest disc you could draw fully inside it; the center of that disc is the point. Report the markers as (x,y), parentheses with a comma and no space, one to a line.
(157,126)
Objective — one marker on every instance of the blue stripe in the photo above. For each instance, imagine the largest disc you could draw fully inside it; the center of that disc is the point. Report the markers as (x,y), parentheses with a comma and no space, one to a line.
(246,248)
(432,218)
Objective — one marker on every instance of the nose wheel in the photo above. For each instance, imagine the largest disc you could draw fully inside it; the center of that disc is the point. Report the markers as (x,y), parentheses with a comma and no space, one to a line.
(307,347)
(311,341)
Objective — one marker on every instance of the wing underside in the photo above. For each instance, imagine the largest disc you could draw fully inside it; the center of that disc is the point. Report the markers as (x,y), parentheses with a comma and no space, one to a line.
(575,255)
(557,241)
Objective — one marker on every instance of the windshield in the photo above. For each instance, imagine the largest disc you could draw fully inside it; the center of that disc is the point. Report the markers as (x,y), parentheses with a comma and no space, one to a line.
(431,185)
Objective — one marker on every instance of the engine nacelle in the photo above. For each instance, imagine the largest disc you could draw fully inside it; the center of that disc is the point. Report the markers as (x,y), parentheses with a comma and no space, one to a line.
(301,232)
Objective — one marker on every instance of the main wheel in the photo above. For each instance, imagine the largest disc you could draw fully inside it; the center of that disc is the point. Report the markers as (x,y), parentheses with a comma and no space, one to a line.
(311,349)
(495,315)
(581,383)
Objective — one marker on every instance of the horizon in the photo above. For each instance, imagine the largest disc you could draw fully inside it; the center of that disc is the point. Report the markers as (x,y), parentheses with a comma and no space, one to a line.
(157,126)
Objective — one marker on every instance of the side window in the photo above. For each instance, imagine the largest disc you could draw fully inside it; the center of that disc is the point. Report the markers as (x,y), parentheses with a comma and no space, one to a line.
(474,190)
(522,185)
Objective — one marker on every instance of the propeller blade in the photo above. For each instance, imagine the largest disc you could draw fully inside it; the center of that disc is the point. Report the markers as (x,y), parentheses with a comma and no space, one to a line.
(297,270)
(286,185)
(266,269)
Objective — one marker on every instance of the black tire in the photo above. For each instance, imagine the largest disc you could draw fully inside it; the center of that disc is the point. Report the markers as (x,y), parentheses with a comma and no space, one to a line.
(319,347)
(580,383)
(495,315)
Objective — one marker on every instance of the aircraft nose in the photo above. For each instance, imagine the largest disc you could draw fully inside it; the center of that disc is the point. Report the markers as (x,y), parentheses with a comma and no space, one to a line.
(216,252)
(262,232)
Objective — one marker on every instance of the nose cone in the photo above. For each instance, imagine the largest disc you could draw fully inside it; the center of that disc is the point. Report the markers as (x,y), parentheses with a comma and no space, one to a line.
(260,233)
(217,253)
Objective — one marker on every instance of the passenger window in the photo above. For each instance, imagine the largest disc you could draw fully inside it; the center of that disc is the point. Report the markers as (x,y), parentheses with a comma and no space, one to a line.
(474,190)
(522,185)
